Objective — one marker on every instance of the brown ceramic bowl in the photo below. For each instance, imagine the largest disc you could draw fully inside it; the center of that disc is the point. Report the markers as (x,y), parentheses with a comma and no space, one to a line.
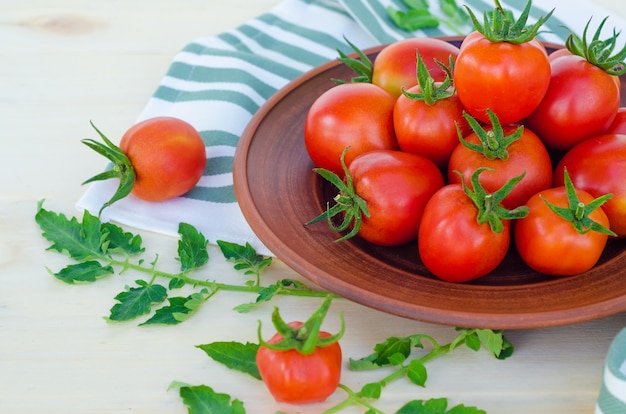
(278,191)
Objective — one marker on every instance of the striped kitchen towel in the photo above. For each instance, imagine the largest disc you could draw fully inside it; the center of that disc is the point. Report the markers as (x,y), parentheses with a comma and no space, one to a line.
(612,398)
(217,83)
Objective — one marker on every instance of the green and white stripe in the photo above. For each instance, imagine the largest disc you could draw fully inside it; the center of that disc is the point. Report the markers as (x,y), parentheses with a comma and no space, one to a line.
(612,398)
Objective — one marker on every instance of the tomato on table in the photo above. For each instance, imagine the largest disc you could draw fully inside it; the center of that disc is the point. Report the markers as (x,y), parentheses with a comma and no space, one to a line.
(301,364)
(598,166)
(465,233)
(355,115)
(508,152)
(157,159)
(395,65)
(383,196)
(506,71)
(565,231)
(584,93)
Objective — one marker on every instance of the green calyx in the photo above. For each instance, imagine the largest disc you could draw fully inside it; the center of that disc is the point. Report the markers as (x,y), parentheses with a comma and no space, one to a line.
(489,205)
(361,65)
(122,167)
(493,143)
(577,212)
(347,202)
(599,52)
(500,25)
(431,91)
(305,338)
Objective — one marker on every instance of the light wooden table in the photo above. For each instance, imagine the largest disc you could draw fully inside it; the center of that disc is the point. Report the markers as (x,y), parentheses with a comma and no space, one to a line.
(66,62)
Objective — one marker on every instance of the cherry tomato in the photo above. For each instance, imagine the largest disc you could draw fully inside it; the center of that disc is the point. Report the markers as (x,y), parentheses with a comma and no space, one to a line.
(510,79)
(429,129)
(451,242)
(598,166)
(394,66)
(551,245)
(396,186)
(297,378)
(582,101)
(168,156)
(526,154)
(355,115)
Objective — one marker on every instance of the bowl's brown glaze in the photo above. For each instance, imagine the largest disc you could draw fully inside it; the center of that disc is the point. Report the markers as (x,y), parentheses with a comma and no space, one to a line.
(278,191)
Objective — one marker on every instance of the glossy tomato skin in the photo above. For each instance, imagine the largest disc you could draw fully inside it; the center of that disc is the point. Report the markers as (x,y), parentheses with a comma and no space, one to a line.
(168,156)
(396,186)
(582,101)
(451,243)
(429,130)
(527,154)
(598,166)
(358,115)
(549,244)
(618,126)
(395,65)
(508,79)
(295,378)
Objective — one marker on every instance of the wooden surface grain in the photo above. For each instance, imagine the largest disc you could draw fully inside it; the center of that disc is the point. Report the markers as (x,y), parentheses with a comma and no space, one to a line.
(67,62)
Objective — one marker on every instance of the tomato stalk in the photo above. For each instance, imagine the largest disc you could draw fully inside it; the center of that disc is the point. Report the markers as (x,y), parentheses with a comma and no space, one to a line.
(122,167)
(500,25)
(577,212)
(489,206)
(598,52)
(361,65)
(430,91)
(493,143)
(348,202)
(305,338)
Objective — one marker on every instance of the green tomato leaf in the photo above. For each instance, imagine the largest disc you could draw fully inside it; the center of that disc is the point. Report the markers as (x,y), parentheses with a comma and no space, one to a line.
(201,399)
(176,283)
(372,390)
(89,271)
(417,373)
(234,355)
(436,406)
(192,248)
(413,19)
(121,241)
(245,257)
(138,301)
(457,14)
(383,355)
(173,314)
(80,241)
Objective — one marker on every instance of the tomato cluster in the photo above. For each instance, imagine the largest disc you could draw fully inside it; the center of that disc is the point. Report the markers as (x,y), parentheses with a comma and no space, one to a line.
(489,144)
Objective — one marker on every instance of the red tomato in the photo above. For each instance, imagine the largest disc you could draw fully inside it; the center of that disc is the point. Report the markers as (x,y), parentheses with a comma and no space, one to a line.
(168,156)
(598,166)
(510,79)
(355,115)
(551,245)
(429,130)
(525,154)
(582,101)
(451,242)
(394,66)
(619,123)
(296,378)
(396,186)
